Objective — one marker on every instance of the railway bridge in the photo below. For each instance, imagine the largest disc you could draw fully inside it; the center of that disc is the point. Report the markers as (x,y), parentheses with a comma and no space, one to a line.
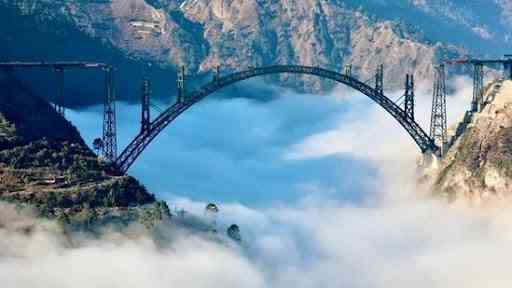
(185,100)
(402,109)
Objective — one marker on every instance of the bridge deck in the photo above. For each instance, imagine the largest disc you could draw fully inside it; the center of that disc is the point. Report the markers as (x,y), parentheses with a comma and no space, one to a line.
(61,65)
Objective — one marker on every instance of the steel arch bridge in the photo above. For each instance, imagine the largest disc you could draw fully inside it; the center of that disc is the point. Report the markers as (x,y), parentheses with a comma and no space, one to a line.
(146,136)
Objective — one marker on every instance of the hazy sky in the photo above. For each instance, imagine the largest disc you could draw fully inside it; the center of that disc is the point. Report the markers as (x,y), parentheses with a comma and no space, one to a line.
(236,149)
(240,150)
(323,188)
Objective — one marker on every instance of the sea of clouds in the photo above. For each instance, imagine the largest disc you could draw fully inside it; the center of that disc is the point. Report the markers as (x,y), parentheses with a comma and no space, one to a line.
(377,231)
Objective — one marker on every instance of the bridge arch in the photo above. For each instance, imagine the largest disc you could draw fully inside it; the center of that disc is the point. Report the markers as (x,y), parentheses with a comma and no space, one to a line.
(145,137)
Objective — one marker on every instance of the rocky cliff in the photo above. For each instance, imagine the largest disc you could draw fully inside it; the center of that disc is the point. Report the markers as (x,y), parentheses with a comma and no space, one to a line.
(478,165)
(406,35)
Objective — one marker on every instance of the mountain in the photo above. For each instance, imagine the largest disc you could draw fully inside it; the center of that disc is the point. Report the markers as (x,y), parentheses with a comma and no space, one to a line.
(482,26)
(45,165)
(46,169)
(479,163)
(404,35)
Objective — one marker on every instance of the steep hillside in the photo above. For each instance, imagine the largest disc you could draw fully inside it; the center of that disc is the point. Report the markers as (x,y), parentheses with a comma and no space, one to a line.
(482,26)
(479,164)
(25,118)
(45,164)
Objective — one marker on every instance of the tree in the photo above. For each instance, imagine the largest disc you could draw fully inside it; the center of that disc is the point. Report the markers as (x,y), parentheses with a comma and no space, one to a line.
(63,218)
(234,233)
(164,208)
(98,145)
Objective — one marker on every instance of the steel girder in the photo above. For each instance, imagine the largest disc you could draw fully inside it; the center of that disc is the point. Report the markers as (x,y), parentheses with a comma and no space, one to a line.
(144,138)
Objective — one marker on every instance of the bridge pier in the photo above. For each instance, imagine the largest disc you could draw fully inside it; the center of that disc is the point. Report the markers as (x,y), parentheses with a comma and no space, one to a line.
(379,79)
(508,71)
(428,160)
(109,118)
(409,95)
(478,86)
(438,127)
(181,83)
(216,74)
(507,65)
(348,70)
(478,76)
(145,120)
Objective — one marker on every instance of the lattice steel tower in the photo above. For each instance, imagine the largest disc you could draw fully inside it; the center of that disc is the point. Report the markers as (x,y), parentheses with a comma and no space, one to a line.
(409,95)
(109,118)
(348,70)
(438,117)
(181,83)
(145,121)
(379,79)
(216,74)
(478,87)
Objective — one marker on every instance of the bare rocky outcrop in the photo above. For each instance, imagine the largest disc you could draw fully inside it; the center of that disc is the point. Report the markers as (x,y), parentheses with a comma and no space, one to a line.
(479,164)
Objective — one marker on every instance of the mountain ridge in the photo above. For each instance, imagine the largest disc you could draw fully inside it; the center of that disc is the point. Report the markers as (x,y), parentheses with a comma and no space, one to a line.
(235,35)
(477,165)
(46,165)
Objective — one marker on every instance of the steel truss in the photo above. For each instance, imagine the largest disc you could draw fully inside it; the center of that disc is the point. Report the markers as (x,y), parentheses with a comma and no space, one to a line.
(144,138)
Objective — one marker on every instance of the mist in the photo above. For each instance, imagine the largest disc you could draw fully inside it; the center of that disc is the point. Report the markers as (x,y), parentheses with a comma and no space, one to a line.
(234,149)
(353,217)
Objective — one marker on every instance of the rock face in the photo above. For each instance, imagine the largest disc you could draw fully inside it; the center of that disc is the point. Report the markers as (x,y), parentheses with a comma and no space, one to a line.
(458,22)
(45,164)
(406,36)
(317,33)
(479,164)
(202,34)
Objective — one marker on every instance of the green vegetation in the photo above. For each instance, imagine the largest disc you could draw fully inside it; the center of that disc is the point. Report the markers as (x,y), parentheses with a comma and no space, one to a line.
(155,214)
(7,131)
(67,182)
(45,164)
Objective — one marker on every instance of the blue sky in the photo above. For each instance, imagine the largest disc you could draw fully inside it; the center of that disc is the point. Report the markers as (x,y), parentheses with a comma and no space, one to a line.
(234,150)
(273,150)
(324,191)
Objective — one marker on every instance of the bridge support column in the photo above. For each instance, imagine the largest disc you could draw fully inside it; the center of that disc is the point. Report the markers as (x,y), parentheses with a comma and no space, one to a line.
(60,91)
(409,95)
(216,74)
(109,118)
(478,83)
(379,79)
(348,70)
(181,83)
(507,73)
(428,160)
(145,121)
(507,67)
(438,127)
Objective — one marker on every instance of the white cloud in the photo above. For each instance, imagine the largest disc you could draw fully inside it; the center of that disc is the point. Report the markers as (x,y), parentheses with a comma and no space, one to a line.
(371,133)
(45,257)
(318,241)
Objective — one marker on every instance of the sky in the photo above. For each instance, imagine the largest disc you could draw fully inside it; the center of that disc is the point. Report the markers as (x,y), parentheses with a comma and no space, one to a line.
(248,151)
(236,149)
(322,187)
